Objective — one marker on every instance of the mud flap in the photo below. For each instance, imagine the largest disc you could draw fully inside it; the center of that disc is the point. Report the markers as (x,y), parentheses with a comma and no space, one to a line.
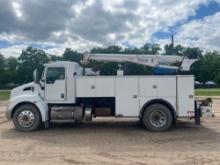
(197,114)
(46,124)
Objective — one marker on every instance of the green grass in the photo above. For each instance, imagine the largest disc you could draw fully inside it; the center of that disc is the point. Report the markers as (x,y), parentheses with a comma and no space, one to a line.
(4,94)
(207,92)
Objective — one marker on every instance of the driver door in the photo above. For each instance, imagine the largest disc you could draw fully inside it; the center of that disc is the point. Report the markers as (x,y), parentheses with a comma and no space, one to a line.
(55,85)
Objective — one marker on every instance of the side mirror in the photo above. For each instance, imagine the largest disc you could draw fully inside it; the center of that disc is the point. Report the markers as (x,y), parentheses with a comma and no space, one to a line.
(36,76)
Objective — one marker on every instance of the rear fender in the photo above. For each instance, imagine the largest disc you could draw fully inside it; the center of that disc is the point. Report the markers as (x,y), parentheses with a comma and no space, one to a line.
(158,101)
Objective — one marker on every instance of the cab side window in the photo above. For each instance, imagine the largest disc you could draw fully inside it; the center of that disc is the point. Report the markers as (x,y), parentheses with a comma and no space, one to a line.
(55,73)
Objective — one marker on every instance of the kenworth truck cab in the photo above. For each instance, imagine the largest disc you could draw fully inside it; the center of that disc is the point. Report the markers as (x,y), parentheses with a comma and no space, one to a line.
(63,93)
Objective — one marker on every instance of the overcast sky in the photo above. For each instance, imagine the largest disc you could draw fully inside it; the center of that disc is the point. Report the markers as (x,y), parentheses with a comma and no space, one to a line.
(53,25)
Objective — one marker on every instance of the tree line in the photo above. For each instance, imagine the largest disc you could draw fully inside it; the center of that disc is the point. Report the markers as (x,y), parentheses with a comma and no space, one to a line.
(16,71)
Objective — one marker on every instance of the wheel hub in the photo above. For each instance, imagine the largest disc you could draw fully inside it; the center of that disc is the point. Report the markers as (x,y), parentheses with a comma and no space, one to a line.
(26,118)
(158,118)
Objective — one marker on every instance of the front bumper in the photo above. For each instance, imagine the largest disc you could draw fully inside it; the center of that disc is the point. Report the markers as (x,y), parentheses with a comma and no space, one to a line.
(8,115)
(8,112)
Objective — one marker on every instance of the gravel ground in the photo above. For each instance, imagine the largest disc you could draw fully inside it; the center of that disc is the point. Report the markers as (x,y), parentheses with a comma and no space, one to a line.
(112,141)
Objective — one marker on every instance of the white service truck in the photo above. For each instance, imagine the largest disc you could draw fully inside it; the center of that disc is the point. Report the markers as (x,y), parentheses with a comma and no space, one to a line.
(64,93)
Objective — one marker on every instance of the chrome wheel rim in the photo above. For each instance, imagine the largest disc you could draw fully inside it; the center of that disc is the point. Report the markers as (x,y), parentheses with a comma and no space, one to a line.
(158,118)
(26,118)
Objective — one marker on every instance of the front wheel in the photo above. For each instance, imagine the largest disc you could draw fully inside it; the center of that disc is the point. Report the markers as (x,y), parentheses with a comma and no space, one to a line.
(157,117)
(27,118)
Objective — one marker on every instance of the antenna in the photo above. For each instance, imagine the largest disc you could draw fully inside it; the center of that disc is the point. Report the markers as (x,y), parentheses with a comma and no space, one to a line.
(172,44)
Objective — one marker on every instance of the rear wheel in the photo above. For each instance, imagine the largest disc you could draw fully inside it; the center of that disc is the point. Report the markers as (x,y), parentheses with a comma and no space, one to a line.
(157,117)
(27,118)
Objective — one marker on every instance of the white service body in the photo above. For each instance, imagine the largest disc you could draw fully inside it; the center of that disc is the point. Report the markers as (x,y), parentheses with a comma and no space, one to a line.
(131,93)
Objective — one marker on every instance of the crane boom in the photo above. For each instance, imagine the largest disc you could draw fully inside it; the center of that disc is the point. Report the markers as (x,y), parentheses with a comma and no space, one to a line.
(164,61)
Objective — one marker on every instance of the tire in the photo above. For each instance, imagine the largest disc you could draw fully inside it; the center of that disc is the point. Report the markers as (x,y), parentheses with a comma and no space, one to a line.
(27,118)
(158,118)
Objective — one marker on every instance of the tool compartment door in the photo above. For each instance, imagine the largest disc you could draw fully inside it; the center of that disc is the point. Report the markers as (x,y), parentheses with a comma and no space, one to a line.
(95,86)
(85,87)
(105,87)
(185,96)
(127,97)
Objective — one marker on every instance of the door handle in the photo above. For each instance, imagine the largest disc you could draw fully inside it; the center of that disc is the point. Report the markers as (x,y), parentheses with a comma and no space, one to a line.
(191,96)
(134,96)
(154,86)
(62,95)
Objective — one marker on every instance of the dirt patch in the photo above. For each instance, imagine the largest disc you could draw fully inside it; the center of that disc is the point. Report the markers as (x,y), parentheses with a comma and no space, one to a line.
(112,141)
